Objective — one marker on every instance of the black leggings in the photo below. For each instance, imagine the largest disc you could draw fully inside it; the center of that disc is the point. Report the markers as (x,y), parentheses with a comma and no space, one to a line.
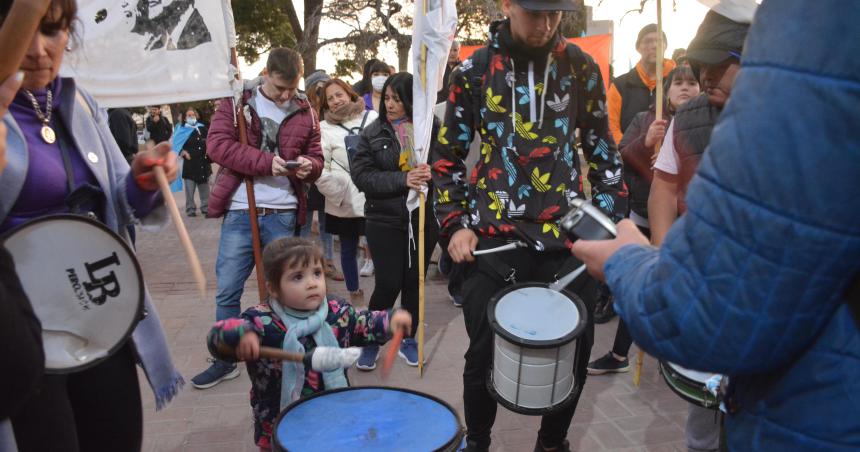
(482,281)
(97,409)
(394,272)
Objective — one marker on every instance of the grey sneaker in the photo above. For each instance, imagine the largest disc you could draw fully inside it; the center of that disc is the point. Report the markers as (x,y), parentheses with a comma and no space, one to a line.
(216,373)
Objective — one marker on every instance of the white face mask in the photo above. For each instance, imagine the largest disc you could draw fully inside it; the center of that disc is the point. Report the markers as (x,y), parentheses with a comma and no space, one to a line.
(378,82)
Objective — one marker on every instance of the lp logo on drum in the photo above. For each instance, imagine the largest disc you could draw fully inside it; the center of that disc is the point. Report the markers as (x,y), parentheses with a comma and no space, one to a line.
(98,288)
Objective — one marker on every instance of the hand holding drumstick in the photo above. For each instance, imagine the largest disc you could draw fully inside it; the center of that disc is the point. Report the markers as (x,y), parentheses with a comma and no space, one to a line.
(400,325)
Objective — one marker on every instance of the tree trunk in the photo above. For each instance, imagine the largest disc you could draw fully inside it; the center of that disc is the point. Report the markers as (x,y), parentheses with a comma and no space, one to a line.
(309,44)
(403,47)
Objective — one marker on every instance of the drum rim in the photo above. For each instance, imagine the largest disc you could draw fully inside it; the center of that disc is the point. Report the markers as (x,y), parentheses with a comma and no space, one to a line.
(553,343)
(140,303)
(710,402)
(452,442)
(491,388)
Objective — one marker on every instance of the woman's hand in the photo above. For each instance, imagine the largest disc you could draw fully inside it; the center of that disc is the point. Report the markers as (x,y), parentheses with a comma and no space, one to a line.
(185,155)
(141,166)
(656,132)
(418,177)
(595,253)
(401,320)
(249,347)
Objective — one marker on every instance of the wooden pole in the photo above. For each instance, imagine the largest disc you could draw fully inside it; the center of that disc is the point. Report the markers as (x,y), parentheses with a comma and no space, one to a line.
(190,253)
(640,355)
(256,243)
(421,214)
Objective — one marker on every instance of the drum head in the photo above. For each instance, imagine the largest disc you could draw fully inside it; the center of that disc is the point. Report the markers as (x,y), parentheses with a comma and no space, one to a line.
(537,316)
(368,419)
(85,286)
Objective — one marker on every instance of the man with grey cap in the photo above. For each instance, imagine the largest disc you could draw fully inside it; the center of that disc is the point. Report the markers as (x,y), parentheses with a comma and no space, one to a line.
(527,93)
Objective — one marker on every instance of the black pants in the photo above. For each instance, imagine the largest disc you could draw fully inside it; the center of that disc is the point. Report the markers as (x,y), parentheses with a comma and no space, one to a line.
(97,409)
(482,282)
(457,272)
(395,259)
(623,341)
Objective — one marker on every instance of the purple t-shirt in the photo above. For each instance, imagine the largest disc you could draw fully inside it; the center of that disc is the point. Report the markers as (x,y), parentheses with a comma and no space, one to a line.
(45,187)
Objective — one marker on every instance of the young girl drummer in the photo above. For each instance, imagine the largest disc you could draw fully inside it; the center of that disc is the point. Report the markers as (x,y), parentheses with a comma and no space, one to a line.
(298,316)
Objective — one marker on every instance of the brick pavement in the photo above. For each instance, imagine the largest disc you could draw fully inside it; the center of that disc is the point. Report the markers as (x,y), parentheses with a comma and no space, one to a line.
(612,414)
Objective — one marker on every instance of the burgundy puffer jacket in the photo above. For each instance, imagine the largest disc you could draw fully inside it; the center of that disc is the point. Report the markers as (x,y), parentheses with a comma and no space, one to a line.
(299,135)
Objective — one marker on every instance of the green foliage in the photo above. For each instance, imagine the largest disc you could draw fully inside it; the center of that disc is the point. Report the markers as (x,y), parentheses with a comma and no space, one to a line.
(260,26)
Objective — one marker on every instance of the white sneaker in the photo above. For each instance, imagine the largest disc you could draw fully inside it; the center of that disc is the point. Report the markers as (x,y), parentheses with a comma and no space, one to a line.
(367,268)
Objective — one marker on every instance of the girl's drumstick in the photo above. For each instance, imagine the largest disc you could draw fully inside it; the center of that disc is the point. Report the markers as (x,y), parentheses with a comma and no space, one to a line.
(391,353)
(190,254)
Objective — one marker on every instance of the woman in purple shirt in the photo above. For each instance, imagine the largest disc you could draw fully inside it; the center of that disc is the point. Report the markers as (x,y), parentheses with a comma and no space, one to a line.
(63,159)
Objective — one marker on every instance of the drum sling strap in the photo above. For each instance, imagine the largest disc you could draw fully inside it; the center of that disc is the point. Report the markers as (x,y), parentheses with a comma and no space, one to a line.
(78,196)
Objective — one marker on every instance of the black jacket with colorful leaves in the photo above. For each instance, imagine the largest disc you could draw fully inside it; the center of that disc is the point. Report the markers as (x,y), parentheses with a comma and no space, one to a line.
(528,171)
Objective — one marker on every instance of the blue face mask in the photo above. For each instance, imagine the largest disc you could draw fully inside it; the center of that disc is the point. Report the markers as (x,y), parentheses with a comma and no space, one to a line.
(191,121)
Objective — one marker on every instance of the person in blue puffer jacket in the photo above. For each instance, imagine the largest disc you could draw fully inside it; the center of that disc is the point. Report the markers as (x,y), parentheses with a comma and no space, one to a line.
(751,282)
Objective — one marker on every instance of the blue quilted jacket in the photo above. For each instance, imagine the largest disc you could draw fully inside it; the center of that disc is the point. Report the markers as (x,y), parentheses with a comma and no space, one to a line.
(750,282)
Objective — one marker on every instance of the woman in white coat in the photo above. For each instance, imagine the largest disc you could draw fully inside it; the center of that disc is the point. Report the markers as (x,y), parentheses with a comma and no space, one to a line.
(344,116)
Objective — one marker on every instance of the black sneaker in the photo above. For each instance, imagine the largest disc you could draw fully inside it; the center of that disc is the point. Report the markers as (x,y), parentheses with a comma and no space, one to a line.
(564,447)
(216,373)
(608,364)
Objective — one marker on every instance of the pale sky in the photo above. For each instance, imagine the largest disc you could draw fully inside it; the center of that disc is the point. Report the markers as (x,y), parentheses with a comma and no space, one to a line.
(680,27)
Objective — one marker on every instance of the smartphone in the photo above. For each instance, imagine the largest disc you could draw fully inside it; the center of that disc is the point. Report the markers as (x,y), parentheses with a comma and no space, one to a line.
(292,164)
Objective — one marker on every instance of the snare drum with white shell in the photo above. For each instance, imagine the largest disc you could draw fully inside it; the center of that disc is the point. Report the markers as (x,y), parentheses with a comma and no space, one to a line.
(84,283)
(536,345)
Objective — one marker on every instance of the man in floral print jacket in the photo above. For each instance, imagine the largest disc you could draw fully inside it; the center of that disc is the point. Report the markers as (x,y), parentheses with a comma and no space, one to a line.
(535,93)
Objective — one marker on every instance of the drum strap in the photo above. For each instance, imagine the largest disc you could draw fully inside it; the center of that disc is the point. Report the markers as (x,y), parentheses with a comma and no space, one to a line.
(502,269)
(78,196)
(852,297)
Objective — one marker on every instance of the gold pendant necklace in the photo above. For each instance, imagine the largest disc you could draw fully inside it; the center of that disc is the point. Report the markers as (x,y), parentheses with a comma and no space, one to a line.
(48,134)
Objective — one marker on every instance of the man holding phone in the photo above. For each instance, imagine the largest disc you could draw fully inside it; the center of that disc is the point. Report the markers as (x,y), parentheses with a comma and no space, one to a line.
(283,153)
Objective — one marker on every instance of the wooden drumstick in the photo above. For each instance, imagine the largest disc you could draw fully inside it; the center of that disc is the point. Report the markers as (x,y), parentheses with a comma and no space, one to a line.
(388,361)
(283,355)
(190,253)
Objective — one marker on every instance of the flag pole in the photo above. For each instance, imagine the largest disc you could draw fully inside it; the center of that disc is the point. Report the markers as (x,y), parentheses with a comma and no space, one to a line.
(640,355)
(249,188)
(422,74)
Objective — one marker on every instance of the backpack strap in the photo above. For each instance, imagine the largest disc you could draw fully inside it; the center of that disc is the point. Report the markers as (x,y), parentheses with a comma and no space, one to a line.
(480,64)
(345,128)
(363,120)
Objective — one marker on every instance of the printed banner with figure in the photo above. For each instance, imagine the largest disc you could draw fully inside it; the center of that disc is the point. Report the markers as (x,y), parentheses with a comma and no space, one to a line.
(150,52)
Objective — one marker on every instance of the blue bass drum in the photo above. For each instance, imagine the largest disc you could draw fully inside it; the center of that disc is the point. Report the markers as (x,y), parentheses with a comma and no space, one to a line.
(368,419)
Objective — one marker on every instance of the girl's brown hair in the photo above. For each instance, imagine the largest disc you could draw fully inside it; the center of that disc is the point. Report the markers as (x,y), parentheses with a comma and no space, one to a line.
(287,253)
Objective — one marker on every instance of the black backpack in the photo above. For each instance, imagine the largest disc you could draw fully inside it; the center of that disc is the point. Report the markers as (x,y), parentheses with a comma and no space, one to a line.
(352,138)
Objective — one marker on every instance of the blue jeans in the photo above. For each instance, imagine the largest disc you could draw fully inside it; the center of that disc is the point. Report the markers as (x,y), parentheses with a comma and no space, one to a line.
(325,237)
(349,261)
(236,255)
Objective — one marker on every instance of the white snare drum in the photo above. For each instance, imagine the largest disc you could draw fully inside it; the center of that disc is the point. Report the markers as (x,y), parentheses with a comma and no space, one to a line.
(535,347)
(84,283)
(689,384)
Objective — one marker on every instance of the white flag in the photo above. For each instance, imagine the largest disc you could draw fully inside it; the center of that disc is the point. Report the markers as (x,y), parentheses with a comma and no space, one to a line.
(433,32)
(741,11)
(150,52)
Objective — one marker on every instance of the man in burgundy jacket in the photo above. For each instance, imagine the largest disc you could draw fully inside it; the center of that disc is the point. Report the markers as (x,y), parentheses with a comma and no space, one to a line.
(282,153)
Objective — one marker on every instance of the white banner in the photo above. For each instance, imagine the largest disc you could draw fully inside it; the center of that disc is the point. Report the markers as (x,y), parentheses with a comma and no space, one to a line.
(432,34)
(150,52)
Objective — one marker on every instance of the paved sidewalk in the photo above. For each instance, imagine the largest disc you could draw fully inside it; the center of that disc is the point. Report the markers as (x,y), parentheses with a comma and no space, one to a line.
(612,414)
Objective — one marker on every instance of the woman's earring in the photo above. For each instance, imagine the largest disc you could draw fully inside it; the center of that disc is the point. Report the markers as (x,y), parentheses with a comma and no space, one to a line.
(68,47)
